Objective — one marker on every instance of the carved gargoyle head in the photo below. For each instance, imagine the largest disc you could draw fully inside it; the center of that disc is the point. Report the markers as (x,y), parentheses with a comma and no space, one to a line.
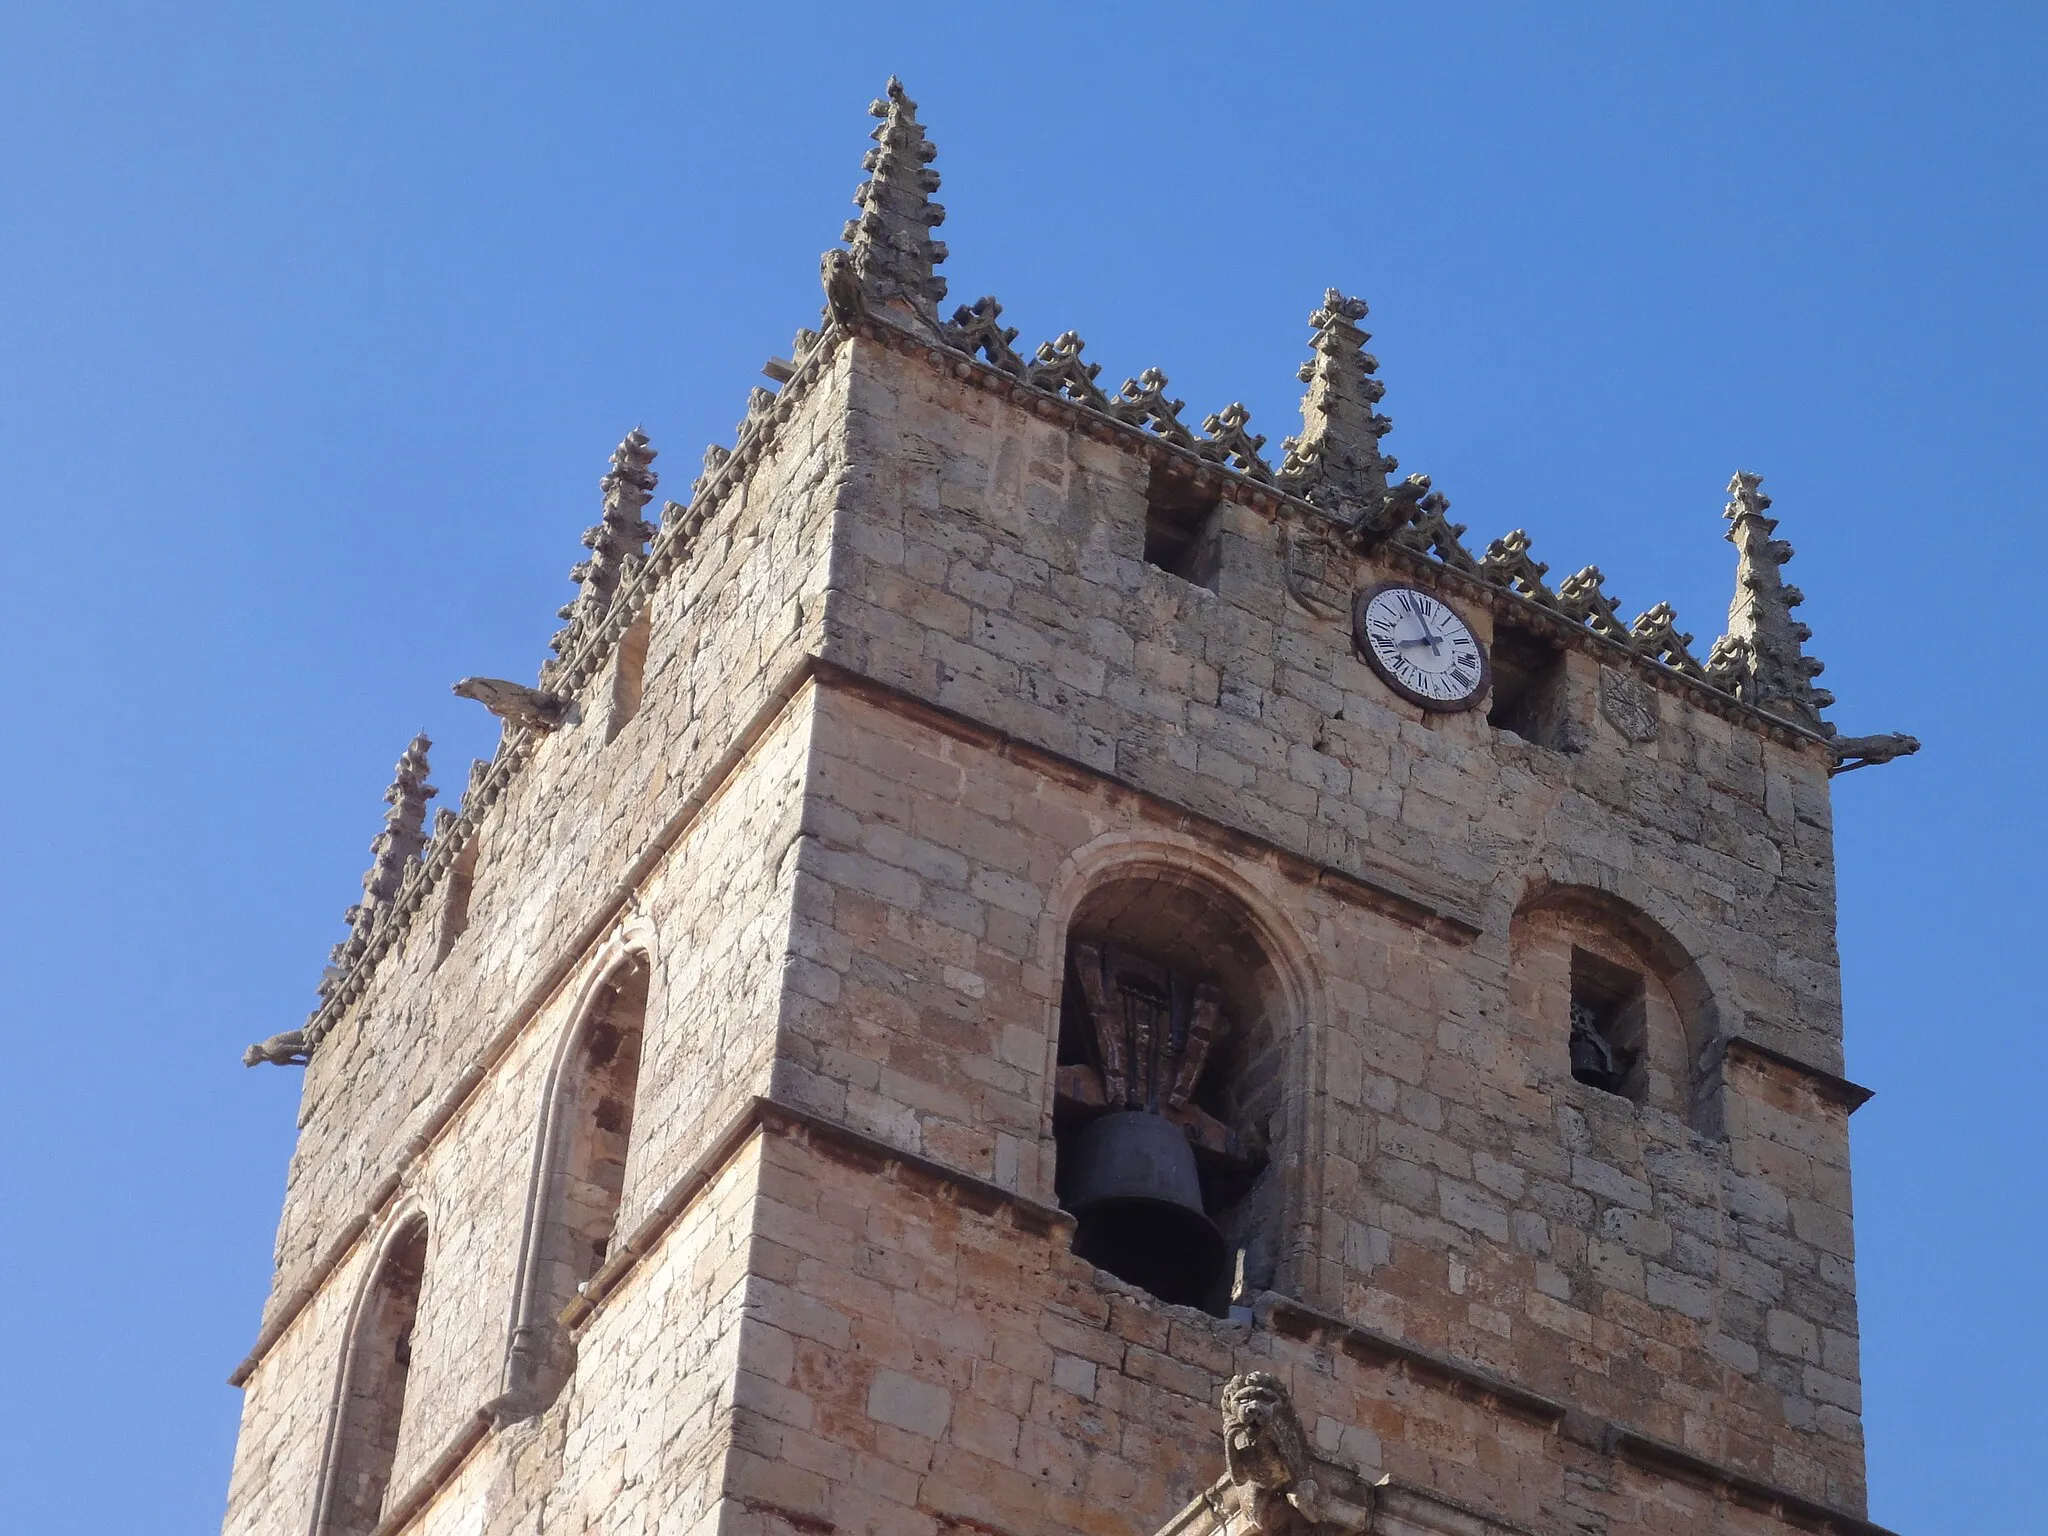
(1263,1443)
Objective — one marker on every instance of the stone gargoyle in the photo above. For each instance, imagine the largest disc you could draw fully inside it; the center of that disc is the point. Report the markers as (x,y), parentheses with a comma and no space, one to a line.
(288,1049)
(1266,1459)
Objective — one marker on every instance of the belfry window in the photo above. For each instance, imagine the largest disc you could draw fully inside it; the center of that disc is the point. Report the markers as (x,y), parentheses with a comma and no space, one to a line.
(1167,1096)
(1529,688)
(364,1443)
(580,1184)
(1181,536)
(1607,1026)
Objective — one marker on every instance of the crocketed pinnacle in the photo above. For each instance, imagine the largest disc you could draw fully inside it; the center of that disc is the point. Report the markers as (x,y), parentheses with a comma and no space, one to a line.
(405,824)
(1336,460)
(1761,629)
(392,852)
(893,252)
(620,536)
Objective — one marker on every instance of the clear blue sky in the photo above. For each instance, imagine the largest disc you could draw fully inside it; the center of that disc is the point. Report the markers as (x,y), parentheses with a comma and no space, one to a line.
(317,324)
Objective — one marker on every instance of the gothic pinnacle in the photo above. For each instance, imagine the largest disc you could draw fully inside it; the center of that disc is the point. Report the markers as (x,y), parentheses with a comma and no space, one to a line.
(392,852)
(891,253)
(1760,624)
(1336,460)
(618,539)
(405,824)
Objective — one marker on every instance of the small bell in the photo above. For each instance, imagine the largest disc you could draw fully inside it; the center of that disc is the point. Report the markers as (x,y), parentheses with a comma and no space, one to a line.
(1137,1198)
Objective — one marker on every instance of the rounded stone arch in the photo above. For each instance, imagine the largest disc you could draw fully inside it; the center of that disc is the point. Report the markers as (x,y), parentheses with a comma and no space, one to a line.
(1174,900)
(586,1110)
(1650,927)
(367,1405)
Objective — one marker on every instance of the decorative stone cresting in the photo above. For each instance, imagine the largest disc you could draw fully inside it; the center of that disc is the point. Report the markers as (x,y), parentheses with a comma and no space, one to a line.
(394,853)
(1333,478)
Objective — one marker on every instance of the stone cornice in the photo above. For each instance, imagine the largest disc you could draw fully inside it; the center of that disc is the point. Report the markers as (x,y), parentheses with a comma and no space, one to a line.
(1831,1086)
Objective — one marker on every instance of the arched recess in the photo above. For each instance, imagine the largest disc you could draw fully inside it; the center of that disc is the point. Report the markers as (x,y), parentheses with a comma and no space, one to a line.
(1616,999)
(368,1408)
(1185,994)
(579,1168)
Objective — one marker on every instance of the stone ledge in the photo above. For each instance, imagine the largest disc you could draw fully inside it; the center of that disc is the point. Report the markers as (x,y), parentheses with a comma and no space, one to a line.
(759,1115)
(1753,1493)
(1298,1320)
(1830,1086)
(1394,894)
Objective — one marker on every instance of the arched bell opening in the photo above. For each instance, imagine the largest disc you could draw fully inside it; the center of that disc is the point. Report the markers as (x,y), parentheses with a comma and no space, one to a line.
(369,1409)
(579,1183)
(1168,1099)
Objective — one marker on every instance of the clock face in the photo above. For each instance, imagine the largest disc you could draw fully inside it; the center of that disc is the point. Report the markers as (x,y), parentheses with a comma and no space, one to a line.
(1420,648)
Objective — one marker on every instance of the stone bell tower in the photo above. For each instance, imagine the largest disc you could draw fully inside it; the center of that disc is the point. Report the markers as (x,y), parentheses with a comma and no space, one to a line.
(1026,968)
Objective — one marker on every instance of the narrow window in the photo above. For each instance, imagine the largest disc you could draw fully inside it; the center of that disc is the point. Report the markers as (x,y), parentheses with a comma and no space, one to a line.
(1607,1026)
(1529,688)
(372,1405)
(1181,533)
(628,674)
(455,896)
(581,1184)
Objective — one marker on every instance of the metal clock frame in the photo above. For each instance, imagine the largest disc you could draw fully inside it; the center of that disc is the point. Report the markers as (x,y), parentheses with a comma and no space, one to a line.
(1363,647)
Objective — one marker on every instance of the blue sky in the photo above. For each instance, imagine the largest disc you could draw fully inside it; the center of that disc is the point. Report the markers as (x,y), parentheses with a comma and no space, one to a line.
(317,324)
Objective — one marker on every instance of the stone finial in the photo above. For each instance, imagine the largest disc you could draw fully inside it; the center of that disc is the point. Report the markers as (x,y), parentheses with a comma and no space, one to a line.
(891,254)
(405,824)
(392,853)
(618,541)
(1780,675)
(1266,1458)
(1335,461)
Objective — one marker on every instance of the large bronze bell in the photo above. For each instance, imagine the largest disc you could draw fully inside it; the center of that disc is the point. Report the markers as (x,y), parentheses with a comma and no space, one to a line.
(1137,1199)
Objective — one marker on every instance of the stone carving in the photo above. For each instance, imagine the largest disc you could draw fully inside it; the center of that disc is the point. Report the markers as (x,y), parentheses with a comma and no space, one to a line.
(1059,368)
(1143,402)
(1230,442)
(617,542)
(1265,1457)
(890,247)
(1780,674)
(515,703)
(288,1049)
(715,458)
(1867,751)
(1508,563)
(978,329)
(1335,461)
(1655,634)
(1433,533)
(1628,704)
(1315,571)
(1580,598)
(845,302)
(393,852)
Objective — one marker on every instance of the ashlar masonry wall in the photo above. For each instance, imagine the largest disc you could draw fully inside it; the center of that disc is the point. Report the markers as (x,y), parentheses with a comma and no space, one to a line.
(915,695)
(1651,1263)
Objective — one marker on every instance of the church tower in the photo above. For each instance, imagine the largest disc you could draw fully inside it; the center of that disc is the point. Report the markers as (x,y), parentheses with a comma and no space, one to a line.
(1030,968)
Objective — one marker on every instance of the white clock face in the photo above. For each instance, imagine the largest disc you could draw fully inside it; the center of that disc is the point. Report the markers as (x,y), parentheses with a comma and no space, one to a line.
(1423,650)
